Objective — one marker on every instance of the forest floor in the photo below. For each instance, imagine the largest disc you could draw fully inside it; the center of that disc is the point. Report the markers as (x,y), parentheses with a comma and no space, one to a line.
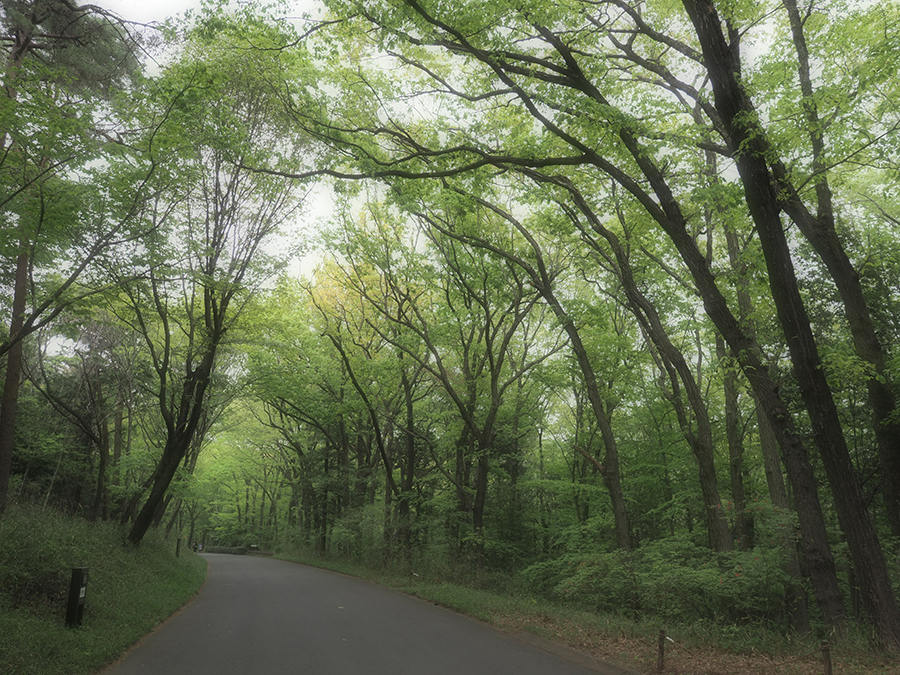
(641,654)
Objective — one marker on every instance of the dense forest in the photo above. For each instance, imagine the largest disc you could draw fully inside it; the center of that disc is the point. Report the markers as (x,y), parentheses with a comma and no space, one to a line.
(599,296)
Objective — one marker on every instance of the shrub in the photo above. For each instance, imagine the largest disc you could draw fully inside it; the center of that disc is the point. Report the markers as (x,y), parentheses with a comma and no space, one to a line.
(672,579)
(232,550)
(601,582)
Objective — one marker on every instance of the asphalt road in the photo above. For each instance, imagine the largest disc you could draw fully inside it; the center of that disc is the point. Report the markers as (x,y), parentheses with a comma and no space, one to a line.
(257,616)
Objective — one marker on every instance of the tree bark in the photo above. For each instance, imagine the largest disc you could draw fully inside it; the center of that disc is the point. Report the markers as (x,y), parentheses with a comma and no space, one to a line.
(700,440)
(667,213)
(795,593)
(478,504)
(408,469)
(100,507)
(22,43)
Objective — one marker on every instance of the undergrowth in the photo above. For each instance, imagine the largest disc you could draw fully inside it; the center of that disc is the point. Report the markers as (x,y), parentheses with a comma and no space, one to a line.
(130,590)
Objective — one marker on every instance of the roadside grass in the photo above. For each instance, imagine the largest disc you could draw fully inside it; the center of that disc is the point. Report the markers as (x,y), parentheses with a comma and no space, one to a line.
(702,648)
(130,591)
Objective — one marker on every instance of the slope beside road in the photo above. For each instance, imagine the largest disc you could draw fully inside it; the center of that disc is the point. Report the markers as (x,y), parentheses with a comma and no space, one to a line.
(257,615)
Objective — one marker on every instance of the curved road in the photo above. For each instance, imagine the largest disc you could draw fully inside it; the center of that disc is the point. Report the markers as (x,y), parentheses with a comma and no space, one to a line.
(270,617)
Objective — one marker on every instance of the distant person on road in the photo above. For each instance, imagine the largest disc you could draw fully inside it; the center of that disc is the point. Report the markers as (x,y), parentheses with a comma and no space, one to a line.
(194,547)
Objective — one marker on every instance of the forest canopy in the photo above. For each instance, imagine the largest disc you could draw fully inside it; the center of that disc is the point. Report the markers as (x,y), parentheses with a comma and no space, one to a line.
(604,299)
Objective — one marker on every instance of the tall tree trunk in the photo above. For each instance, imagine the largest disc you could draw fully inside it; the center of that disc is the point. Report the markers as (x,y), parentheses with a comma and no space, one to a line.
(191,532)
(478,504)
(115,478)
(9,403)
(714,212)
(821,233)
(673,363)
(408,468)
(345,498)
(761,195)
(180,434)
(460,482)
(700,440)
(743,525)
(100,507)
(795,593)
(173,519)
(14,357)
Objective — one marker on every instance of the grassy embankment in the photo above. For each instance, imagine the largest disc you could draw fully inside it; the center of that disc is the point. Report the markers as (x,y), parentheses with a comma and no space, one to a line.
(696,649)
(130,590)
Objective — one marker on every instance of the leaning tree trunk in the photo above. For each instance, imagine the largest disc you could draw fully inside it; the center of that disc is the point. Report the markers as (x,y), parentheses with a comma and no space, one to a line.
(795,594)
(180,434)
(609,468)
(820,232)
(700,440)
(762,199)
(666,211)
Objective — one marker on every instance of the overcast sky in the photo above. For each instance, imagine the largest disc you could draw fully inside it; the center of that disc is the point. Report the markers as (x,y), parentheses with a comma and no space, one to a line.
(146,11)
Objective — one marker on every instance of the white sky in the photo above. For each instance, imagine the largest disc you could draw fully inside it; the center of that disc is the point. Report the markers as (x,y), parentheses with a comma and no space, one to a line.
(147,11)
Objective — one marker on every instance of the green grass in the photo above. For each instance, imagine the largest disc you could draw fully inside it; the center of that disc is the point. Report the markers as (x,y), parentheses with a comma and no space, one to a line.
(130,591)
